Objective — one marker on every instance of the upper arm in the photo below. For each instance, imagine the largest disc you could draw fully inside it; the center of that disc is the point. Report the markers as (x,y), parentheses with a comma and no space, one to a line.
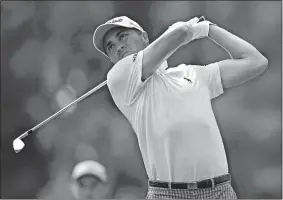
(161,49)
(236,71)
(211,78)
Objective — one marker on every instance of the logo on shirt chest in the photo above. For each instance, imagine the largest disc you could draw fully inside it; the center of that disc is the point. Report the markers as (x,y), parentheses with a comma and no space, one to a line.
(187,79)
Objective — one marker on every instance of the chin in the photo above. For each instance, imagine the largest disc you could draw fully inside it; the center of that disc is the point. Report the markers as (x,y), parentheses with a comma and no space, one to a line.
(127,54)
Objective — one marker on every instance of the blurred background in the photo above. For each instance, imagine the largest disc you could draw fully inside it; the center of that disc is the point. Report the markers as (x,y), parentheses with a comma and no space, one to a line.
(48,60)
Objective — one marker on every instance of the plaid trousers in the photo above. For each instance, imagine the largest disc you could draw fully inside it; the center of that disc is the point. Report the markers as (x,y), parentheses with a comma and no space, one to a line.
(221,191)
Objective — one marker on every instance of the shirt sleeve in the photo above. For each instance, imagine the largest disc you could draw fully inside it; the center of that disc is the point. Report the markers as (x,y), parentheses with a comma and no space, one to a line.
(212,78)
(124,79)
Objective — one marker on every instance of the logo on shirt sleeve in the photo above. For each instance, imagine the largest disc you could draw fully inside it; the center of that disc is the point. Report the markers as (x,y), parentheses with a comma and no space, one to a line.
(135,57)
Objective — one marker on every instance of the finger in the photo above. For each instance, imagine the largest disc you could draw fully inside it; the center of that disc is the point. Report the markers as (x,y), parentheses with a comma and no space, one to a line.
(193,21)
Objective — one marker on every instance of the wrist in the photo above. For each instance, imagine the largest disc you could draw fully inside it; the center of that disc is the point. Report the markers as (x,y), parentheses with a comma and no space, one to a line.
(201,29)
(211,25)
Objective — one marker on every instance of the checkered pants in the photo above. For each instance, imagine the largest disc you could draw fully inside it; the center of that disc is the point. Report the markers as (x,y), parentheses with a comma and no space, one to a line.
(221,191)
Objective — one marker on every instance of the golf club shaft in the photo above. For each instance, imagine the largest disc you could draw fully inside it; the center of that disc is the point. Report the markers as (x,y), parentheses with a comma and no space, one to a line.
(63,109)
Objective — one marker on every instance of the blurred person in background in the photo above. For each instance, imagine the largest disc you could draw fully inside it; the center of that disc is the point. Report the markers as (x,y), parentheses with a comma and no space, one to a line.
(170,109)
(88,180)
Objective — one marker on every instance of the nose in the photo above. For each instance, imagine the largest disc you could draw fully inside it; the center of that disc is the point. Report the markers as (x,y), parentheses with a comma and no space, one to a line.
(121,48)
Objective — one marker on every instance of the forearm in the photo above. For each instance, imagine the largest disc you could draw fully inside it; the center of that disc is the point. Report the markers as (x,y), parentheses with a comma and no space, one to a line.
(236,47)
(162,48)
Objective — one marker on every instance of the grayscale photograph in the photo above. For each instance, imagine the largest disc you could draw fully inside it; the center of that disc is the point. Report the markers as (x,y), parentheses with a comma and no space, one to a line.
(141,100)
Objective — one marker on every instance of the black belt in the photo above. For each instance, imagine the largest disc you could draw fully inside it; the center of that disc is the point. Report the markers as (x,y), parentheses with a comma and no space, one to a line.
(207,183)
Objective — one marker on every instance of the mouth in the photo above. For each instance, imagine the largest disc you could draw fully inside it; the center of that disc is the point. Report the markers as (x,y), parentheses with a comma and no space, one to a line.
(124,54)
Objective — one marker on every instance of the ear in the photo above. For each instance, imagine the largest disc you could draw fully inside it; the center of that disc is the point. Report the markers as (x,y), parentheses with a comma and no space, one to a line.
(74,189)
(145,37)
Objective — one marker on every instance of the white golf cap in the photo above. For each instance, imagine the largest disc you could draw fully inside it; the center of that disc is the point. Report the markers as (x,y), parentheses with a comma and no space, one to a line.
(99,33)
(89,167)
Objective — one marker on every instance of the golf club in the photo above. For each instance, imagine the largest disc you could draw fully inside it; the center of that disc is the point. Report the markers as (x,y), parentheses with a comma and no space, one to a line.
(18,143)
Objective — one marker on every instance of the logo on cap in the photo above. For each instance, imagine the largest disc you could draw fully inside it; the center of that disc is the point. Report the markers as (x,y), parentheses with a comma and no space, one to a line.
(115,20)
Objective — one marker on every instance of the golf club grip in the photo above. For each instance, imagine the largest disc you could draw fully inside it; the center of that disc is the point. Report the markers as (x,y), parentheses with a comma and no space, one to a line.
(202,18)
(69,105)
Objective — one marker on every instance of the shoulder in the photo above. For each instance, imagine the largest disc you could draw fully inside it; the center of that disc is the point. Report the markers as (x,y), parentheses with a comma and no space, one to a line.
(122,65)
(184,68)
(124,79)
(122,70)
(202,70)
(189,70)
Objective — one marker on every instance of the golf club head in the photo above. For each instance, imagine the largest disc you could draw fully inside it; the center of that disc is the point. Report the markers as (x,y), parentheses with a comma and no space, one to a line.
(18,145)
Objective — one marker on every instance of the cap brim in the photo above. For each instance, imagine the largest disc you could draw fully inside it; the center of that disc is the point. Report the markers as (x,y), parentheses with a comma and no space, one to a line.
(89,168)
(92,175)
(101,177)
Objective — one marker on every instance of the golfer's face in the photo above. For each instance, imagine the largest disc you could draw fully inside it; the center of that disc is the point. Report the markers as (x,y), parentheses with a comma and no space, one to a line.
(121,42)
(88,186)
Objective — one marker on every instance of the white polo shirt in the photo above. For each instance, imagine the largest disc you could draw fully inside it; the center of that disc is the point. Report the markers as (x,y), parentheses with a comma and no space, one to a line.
(172,117)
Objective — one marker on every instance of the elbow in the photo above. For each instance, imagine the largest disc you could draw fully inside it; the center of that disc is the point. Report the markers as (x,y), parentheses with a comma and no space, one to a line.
(262,63)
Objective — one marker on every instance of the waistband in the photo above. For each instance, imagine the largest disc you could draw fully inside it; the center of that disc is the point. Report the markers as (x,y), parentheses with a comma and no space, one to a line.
(207,183)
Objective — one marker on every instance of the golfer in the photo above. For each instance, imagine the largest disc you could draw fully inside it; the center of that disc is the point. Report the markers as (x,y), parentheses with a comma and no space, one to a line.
(170,109)
(86,178)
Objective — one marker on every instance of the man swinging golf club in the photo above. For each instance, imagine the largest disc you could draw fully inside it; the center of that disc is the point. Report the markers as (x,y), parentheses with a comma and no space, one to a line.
(170,110)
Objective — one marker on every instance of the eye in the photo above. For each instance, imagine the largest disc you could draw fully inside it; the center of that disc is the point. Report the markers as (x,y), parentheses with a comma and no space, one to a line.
(110,47)
(122,35)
